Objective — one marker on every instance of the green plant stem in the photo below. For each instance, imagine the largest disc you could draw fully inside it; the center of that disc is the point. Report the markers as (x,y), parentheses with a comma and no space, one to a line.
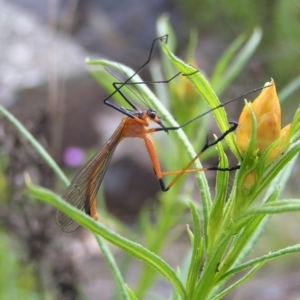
(122,291)
(155,244)
(197,253)
(239,282)
(206,281)
(263,259)
(134,249)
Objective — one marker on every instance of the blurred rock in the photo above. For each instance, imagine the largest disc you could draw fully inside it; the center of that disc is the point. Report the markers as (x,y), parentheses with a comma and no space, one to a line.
(30,53)
(44,80)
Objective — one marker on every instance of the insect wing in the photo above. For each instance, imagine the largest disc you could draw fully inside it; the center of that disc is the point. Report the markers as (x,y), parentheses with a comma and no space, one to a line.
(83,189)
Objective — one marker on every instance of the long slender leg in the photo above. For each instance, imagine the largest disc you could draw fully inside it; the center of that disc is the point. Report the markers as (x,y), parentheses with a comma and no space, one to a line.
(118,85)
(187,169)
(115,85)
(117,89)
(212,109)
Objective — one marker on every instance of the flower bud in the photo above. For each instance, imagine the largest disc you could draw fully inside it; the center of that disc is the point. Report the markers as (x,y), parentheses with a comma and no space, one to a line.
(266,109)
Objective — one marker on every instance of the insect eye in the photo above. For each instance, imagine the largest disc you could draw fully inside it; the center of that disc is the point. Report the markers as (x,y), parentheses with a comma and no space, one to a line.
(151,113)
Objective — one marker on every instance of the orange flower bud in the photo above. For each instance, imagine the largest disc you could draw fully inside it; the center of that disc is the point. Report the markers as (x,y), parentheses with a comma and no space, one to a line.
(266,109)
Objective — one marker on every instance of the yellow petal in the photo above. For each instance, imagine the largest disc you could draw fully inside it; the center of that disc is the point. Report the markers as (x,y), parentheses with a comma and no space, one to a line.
(267,131)
(284,141)
(267,101)
(243,132)
(242,139)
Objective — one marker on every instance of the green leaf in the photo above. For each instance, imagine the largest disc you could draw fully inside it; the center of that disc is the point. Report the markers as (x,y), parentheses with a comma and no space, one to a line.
(272,191)
(35,144)
(289,89)
(278,207)
(175,296)
(197,253)
(270,256)
(247,217)
(163,27)
(122,289)
(217,210)
(243,238)
(240,60)
(224,60)
(295,127)
(134,249)
(191,234)
(192,46)
(205,90)
(207,278)
(278,166)
(131,293)
(239,282)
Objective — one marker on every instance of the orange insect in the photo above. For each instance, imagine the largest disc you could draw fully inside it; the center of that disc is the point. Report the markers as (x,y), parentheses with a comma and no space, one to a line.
(83,189)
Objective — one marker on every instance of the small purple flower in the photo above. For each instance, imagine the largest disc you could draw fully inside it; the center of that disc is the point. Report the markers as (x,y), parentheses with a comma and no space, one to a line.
(73,156)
